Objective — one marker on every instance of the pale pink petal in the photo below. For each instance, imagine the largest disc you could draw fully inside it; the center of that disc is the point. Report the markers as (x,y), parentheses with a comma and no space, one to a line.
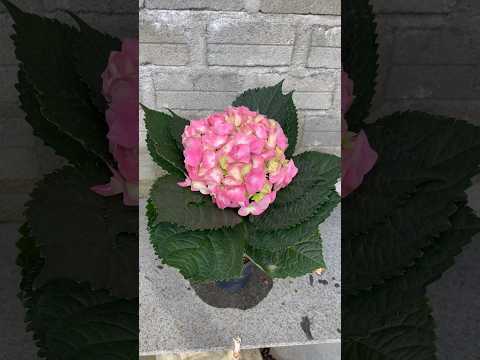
(186,183)
(356,163)
(255,180)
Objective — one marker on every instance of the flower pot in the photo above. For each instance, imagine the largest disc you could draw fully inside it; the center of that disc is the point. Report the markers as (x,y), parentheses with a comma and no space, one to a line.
(237,284)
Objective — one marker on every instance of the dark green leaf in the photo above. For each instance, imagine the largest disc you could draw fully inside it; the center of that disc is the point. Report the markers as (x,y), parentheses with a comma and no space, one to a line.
(201,255)
(271,102)
(64,146)
(84,236)
(313,188)
(162,145)
(177,126)
(280,239)
(187,208)
(63,98)
(424,167)
(295,260)
(91,51)
(105,331)
(368,309)
(359,57)
(407,335)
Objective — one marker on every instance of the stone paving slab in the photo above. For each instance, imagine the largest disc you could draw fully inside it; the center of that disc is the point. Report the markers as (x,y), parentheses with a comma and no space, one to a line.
(174,319)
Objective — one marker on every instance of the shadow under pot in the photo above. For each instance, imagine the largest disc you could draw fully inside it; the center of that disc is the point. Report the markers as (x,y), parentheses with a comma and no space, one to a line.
(243,293)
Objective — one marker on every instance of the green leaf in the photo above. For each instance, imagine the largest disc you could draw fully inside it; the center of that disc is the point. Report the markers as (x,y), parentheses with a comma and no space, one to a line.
(407,335)
(63,98)
(313,188)
(424,167)
(162,145)
(201,255)
(281,239)
(64,146)
(177,126)
(314,168)
(29,260)
(368,309)
(187,208)
(91,51)
(104,331)
(359,58)
(84,236)
(58,300)
(271,102)
(295,260)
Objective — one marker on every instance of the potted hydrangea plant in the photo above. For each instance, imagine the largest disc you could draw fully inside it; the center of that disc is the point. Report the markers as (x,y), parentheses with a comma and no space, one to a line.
(235,195)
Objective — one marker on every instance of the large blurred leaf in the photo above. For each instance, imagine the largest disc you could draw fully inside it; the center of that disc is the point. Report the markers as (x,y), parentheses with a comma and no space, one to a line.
(91,51)
(163,140)
(369,309)
(106,331)
(82,235)
(359,57)
(187,208)
(63,98)
(425,165)
(271,102)
(63,145)
(312,189)
(201,255)
(403,336)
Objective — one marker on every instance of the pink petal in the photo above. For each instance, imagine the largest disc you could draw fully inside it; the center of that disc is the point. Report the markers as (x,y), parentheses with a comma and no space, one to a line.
(356,163)
(241,153)
(186,183)
(255,180)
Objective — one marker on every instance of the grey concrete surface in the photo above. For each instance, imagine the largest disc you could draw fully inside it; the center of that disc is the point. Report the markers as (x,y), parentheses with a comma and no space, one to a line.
(308,352)
(174,319)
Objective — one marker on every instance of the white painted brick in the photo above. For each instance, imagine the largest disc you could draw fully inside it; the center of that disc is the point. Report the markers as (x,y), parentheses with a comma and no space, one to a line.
(323,7)
(246,29)
(437,82)
(15,132)
(8,78)
(12,207)
(195,100)
(312,101)
(433,46)
(309,81)
(325,57)
(248,55)
(321,121)
(164,54)
(75,5)
(169,29)
(146,90)
(412,6)
(17,163)
(231,5)
(217,81)
(327,36)
(7,54)
(324,138)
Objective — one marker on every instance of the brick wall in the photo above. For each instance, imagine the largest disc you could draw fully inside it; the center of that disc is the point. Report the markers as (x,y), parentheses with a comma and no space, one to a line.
(197,56)
(23,158)
(430,56)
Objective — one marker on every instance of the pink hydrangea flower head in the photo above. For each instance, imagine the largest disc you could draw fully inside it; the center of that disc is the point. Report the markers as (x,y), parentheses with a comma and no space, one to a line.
(358,157)
(120,89)
(238,158)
